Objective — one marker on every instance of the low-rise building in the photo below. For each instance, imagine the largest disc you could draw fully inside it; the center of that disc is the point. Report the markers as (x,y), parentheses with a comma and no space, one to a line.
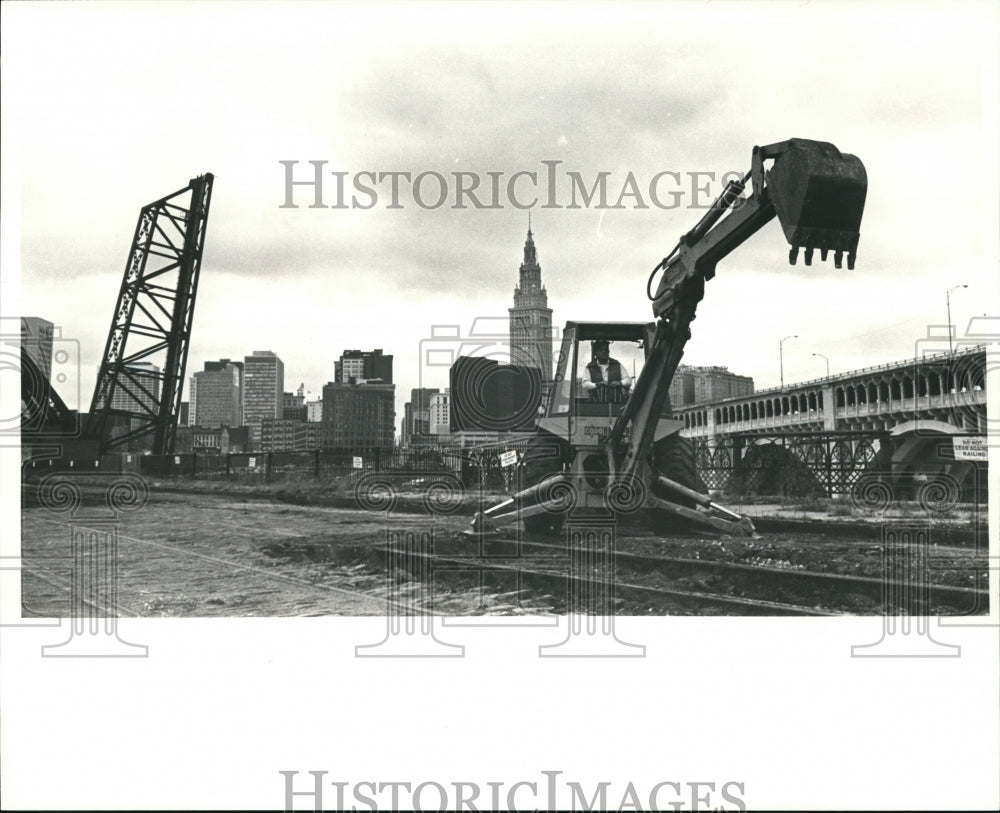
(281,435)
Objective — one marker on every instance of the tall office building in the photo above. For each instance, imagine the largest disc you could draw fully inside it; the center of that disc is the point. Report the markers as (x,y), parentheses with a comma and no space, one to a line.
(263,391)
(438,413)
(217,395)
(359,416)
(36,339)
(138,388)
(420,401)
(405,433)
(263,386)
(531,317)
(359,405)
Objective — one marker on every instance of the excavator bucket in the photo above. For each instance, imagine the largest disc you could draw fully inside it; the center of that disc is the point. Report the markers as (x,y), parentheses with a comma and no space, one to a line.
(819,196)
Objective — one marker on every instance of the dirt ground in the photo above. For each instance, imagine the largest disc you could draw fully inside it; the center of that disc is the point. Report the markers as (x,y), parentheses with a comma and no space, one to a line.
(208,554)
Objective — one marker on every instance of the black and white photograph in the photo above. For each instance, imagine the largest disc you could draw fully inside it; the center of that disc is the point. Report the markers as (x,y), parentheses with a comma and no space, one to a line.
(498,406)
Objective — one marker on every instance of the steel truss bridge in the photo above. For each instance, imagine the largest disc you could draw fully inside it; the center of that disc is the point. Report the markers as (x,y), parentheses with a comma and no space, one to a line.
(793,464)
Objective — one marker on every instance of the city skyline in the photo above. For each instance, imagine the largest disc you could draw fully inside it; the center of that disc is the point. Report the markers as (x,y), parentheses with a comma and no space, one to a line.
(301,279)
(401,398)
(805,367)
(109,106)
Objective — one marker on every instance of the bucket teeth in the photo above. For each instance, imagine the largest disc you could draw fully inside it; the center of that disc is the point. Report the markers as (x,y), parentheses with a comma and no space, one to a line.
(824,252)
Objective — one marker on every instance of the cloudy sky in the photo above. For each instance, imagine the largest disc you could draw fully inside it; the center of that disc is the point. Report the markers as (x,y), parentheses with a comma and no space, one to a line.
(110,106)
(107,107)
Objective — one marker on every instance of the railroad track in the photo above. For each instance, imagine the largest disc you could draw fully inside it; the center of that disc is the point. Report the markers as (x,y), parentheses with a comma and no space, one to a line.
(547,566)
(640,579)
(606,596)
(939,595)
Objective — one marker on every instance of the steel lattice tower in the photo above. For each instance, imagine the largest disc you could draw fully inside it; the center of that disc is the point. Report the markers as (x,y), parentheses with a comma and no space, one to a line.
(152,322)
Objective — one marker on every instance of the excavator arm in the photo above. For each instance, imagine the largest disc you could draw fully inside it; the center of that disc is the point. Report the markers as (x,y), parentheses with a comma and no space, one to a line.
(818,195)
(817,192)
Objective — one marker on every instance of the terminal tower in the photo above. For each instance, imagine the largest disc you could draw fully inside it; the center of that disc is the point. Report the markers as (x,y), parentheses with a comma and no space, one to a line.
(531,317)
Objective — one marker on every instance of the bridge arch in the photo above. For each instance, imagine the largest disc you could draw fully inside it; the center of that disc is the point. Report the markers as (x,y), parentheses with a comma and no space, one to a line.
(924,426)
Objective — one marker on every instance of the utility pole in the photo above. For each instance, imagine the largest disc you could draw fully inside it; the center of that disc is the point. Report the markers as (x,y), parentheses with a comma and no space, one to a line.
(827,363)
(781,357)
(947,296)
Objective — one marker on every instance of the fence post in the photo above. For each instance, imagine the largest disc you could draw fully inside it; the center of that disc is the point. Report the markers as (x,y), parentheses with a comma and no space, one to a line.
(316,466)
(828,464)
(267,471)
(228,456)
(194,463)
(738,470)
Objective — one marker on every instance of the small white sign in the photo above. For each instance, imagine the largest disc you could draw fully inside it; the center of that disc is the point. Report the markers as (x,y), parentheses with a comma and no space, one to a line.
(177,460)
(252,462)
(970,448)
(508,458)
(358,463)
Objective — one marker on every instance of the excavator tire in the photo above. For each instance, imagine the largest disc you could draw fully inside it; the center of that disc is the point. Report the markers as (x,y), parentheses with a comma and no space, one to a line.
(542,459)
(673,457)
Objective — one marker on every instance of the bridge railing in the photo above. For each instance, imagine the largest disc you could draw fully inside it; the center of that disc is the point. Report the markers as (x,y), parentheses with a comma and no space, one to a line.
(930,358)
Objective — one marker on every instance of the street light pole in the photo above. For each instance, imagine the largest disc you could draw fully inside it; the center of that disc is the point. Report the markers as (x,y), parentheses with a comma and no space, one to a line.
(947,296)
(827,363)
(781,357)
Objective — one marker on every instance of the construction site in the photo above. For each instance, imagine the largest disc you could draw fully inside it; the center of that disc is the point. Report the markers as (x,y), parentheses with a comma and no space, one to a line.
(862,494)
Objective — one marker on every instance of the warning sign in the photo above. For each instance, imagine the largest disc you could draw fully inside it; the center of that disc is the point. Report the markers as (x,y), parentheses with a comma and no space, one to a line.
(508,458)
(970,448)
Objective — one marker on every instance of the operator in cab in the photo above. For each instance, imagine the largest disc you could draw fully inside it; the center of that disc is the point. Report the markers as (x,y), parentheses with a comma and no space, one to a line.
(606,379)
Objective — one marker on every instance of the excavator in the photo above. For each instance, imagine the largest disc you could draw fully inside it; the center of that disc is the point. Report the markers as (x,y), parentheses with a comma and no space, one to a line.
(613,447)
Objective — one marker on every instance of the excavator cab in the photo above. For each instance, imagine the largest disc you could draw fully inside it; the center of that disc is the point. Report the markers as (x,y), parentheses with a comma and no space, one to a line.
(588,392)
(579,385)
